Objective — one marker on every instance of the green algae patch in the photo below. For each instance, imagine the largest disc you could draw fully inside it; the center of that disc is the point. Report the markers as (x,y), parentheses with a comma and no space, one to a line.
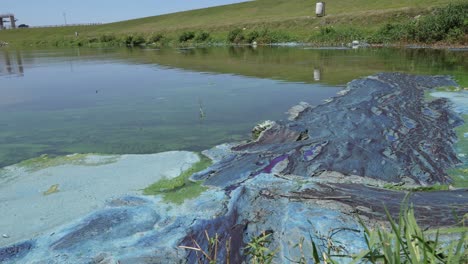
(180,188)
(449,89)
(459,177)
(428,97)
(459,174)
(189,191)
(462,143)
(45,161)
(52,189)
(432,188)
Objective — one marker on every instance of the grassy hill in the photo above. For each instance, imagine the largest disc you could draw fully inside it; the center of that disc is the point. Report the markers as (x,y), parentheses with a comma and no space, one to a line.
(280,20)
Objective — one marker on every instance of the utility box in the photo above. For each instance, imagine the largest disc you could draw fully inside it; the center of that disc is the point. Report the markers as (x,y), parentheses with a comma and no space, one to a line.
(320,9)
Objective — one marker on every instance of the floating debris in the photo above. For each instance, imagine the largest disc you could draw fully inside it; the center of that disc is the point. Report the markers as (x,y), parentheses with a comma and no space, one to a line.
(52,189)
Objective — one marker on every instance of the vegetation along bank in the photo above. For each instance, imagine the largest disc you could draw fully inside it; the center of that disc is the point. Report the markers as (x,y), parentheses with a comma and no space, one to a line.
(433,22)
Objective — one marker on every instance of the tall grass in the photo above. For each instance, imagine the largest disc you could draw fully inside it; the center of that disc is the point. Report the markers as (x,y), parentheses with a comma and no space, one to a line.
(404,242)
(448,23)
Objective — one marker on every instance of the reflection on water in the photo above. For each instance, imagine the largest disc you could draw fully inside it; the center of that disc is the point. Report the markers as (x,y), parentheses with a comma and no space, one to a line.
(150,100)
(11,63)
(317,75)
(296,64)
(108,101)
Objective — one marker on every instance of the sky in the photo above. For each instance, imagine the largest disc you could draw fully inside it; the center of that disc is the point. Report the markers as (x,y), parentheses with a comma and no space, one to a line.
(54,12)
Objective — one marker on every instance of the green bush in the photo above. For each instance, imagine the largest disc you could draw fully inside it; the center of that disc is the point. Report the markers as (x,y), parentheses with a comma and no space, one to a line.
(252,36)
(134,40)
(389,33)
(455,34)
(93,40)
(236,36)
(449,23)
(107,38)
(155,38)
(327,31)
(202,36)
(186,36)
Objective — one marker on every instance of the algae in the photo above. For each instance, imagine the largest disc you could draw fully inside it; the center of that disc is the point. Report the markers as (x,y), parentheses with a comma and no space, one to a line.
(460,173)
(448,89)
(180,188)
(436,187)
(459,176)
(428,97)
(189,191)
(52,189)
(45,161)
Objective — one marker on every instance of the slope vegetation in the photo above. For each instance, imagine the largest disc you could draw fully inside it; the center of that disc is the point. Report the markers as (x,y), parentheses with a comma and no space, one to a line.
(289,20)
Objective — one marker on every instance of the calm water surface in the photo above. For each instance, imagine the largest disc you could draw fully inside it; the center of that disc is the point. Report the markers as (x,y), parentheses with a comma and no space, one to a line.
(145,101)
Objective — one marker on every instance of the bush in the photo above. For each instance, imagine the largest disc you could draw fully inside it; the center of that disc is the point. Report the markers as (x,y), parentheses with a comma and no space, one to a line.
(455,34)
(390,33)
(186,36)
(131,40)
(155,38)
(449,23)
(107,38)
(236,36)
(252,36)
(327,31)
(202,36)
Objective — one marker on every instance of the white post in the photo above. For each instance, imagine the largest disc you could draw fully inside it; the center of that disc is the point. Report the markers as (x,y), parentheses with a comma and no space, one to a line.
(320,9)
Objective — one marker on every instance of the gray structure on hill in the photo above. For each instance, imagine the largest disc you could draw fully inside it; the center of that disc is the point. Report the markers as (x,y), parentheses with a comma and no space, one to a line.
(4,19)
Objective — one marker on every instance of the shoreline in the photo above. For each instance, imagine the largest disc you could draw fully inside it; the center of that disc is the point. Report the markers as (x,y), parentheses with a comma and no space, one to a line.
(435,46)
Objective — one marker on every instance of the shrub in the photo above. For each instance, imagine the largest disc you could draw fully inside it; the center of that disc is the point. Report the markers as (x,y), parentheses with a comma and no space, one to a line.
(455,34)
(133,40)
(252,36)
(139,40)
(107,38)
(327,31)
(154,38)
(391,32)
(93,40)
(236,36)
(202,36)
(186,36)
(448,23)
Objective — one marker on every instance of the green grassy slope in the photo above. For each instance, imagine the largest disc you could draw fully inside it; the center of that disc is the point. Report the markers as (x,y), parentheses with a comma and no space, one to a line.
(263,11)
(294,16)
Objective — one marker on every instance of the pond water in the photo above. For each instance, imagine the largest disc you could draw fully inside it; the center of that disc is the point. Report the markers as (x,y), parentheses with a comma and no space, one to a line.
(114,101)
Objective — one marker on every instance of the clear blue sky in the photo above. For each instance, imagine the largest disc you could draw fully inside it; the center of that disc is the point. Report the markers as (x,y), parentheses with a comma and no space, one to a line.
(50,12)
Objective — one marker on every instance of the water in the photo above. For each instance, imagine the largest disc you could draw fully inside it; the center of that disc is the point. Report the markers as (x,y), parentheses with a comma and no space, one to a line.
(145,101)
